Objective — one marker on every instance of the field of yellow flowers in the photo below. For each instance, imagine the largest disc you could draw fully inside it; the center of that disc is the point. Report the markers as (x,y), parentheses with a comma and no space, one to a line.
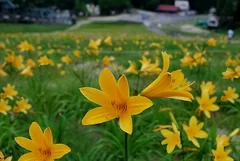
(114,96)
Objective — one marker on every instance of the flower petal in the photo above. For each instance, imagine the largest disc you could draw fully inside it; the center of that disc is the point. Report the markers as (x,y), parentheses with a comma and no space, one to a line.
(177,78)
(193,121)
(125,122)
(123,87)
(48,136)
(195,142)
(175,94)
(95,96)
(59,150)
(166,133)
(213,108)
(201,134)
(28,157)
(162,82)
(108,84)
(138,104)
(26,143)
(170,148)
(98,115)
(35,132)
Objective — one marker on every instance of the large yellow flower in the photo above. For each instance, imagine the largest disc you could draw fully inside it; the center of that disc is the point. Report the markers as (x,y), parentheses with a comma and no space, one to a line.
(206,104)
(114,101)
(4,107)
(221,155)
(2,157)
(41,145)
(166,85)
(194,131)
(230,95)
(172,138)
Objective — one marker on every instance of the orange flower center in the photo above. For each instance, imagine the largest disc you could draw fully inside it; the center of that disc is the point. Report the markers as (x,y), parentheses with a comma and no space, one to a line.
(45,153)
(119,108)
(175,139)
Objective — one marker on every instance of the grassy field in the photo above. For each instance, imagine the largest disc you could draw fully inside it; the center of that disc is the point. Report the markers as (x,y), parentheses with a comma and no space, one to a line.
(53,90)
(30,28)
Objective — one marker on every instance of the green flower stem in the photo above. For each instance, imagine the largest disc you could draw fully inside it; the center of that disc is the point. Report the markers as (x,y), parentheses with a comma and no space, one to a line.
(126,147)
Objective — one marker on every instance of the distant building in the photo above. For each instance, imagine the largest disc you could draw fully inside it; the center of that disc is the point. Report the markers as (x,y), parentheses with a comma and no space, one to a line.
(182,4)
(168,8)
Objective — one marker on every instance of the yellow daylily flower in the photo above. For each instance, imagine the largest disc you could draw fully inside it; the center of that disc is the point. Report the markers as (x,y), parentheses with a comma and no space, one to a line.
(211,42)
(206,104)
(166,85)
(62,72)
(30,63)
(230,74)
(41,145)
(148,67)
(106,61)
(209,86)
(77,53)
(188,61)
(222,140)
(18,62)
(186,85)
(114,101)
(194,131)
(44,60)
(22,106)
(231,62)
(172,138)
(200,60)
(25,46)
(27,72)
(4,107)
(10,58)
(229,95)
(221,155)
(66,59)
(93,45)
(108,41)
(2,157)
(9,91)
(132,68)
(2,72)
(98,42)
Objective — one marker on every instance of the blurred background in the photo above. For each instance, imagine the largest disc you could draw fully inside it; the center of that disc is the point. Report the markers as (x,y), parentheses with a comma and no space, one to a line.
(218,13)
